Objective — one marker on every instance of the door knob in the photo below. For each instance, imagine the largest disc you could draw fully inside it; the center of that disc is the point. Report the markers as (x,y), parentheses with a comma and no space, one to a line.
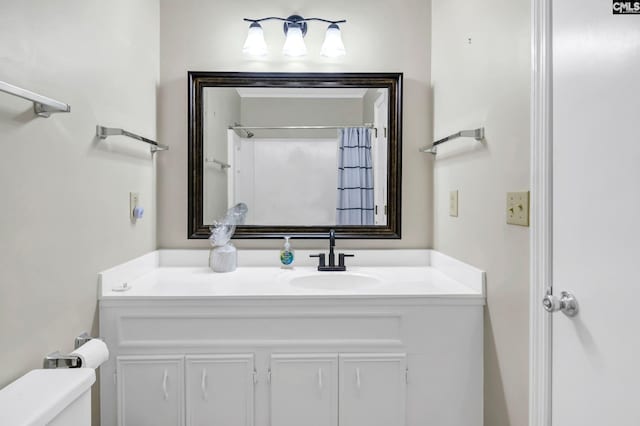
(567,303)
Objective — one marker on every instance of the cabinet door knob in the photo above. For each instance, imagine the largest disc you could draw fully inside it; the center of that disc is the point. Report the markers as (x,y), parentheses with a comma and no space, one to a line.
(165,378)
(358,378)
(320,379)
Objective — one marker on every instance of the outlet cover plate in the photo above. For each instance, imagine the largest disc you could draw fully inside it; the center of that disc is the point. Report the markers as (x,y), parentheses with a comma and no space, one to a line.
(518,208)
(453,203)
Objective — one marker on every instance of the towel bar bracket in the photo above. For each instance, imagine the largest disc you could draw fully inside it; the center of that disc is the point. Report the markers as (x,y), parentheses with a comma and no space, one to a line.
(104,132)
(43,110)
(477,134)
(218,163)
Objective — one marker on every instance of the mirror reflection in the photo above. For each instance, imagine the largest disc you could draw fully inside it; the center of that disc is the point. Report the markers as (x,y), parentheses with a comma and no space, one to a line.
(296,156)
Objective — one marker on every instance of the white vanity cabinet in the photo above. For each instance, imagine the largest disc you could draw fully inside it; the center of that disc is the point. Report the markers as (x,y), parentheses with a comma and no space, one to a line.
(304,389)
(315,362)
(210,389)
(373,389)
(220,390)
(150,390)
(338,389)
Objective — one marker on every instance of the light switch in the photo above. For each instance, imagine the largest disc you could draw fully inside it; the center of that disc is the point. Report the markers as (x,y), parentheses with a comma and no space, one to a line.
(453,203)
(518,208)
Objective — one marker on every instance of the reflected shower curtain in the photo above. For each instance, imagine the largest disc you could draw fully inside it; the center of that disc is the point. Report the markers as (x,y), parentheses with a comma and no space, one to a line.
(355,177)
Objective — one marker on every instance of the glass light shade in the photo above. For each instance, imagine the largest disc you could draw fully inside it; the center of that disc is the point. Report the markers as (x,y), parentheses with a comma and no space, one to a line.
(294,43)
(255,44)
(333,46)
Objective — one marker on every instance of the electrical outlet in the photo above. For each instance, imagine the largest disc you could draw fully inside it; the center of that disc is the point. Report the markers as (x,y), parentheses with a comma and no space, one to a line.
(134,201)
(453,203)
(518,208)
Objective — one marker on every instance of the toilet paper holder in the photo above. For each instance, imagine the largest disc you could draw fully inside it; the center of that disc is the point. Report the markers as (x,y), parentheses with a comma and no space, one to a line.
(58,360)
(81,340)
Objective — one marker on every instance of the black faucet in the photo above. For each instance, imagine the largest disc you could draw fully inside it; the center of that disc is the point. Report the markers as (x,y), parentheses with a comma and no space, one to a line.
(322,266)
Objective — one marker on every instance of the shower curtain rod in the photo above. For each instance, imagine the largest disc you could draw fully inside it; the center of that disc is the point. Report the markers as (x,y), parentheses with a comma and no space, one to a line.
(367,125)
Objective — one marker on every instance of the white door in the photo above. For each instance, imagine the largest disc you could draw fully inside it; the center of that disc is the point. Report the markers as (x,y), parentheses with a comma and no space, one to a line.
(596,214)
(304,390)
(219,390)
(372,389)
(150,390)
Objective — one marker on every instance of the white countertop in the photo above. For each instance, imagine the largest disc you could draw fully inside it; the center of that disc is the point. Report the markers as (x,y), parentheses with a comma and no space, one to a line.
(183,274)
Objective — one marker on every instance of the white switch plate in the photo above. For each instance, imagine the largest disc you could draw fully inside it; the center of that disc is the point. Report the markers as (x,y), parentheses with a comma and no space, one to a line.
(134,201)
(453,203)
(518,208)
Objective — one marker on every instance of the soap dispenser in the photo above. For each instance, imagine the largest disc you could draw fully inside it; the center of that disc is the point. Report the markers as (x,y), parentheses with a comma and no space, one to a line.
(287,255)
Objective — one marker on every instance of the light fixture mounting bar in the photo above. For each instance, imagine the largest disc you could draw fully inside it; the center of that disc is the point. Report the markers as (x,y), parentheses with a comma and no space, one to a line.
(296,20)
(293,21)
(339,21)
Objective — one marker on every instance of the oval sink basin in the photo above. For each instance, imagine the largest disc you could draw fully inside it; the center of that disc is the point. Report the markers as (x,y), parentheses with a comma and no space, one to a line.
(334,281)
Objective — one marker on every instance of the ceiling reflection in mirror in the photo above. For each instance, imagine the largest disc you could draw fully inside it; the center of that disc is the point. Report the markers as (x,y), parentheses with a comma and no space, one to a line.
(296,156)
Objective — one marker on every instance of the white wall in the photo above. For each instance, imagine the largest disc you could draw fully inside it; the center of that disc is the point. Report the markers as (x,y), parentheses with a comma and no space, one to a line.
(222,106)
(301,112)
(486,83)
(65,195)
(369,105)
(380,36)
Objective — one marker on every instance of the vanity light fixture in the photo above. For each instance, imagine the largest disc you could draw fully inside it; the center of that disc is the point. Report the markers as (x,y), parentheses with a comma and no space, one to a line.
(255,44)
(333,46)
(295,28)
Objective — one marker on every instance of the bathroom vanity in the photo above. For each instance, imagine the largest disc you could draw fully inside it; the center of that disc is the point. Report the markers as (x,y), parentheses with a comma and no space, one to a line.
(393,345)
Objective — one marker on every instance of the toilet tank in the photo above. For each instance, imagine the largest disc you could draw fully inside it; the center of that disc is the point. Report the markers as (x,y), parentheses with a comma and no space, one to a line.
(48,397)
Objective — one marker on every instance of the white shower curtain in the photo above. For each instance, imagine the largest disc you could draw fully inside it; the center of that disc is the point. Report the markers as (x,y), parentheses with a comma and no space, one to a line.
(355,177)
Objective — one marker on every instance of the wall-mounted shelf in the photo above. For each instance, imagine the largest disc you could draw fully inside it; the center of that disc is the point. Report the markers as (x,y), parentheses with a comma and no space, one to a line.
(104,132)
(42,106)
(477,134)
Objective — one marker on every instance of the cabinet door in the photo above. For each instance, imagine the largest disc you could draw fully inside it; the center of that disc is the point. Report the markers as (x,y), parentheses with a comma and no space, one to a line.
(150,391)
(304,390)
(220,390)
(373,389)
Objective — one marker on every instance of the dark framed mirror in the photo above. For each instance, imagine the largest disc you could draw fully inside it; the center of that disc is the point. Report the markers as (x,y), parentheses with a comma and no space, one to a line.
(306,152)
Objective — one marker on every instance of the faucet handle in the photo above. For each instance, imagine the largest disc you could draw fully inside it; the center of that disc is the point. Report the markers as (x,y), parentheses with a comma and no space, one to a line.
(341,257)
(320,256)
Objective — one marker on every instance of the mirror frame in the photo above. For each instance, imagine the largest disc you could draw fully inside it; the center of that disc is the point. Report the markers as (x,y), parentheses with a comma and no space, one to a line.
(199,80)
